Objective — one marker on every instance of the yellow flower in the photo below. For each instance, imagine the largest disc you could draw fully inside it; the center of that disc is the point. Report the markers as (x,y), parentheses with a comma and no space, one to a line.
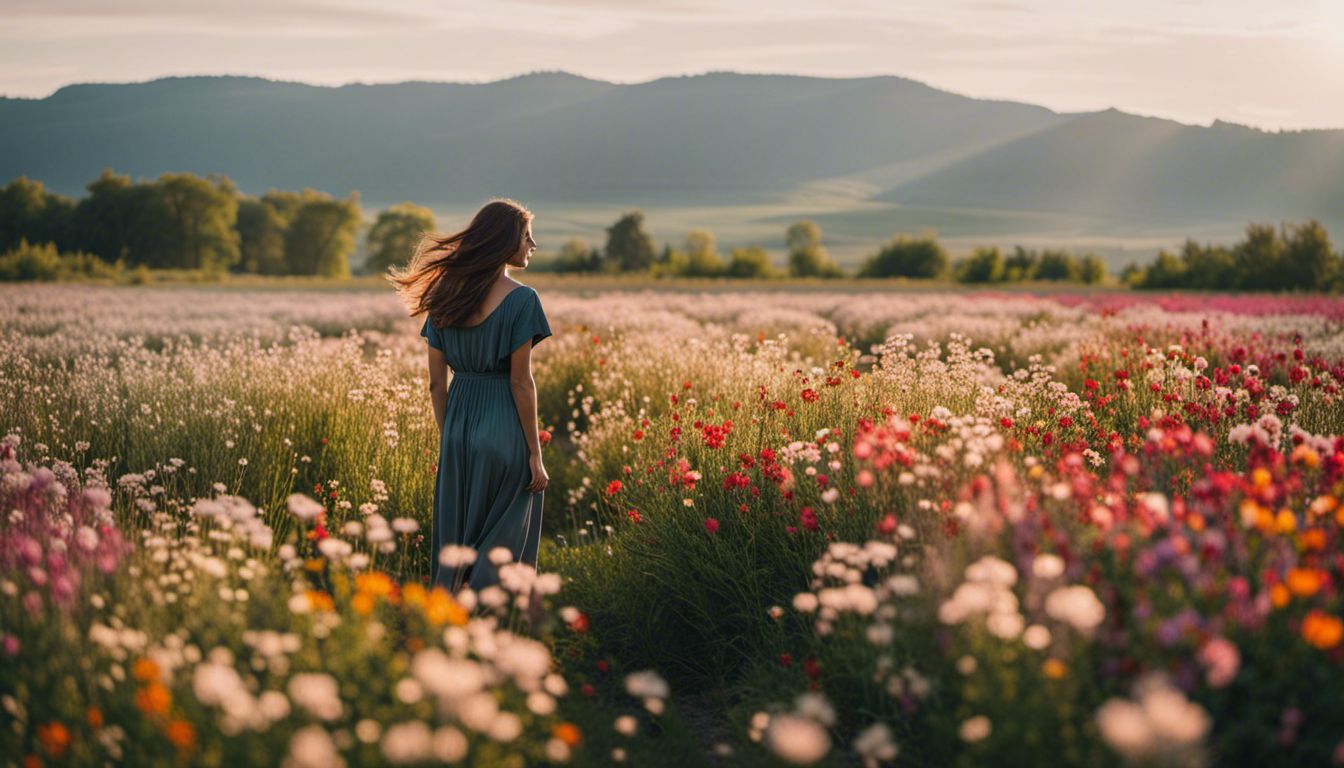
(314,564)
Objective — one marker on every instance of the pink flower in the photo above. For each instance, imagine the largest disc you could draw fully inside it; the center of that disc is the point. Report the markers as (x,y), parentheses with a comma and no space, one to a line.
(1221,660)
(711,525)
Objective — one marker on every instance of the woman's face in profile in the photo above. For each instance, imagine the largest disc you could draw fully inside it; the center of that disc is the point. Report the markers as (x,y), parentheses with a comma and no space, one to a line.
(525,249)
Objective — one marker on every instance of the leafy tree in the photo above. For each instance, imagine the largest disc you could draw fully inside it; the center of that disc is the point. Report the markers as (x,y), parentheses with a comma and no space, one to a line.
(261,233)
(1208,267)
(394,235)
(1260,260)
(321,237)
(807,256)
(1092,269)
(1309,262)
(629,247)
(29,212)
(1132,275)
(903,256)
(1166,271)
(198,221)
(702,255)
(750,262)
(574,256)
(1021,265)
(670,262)
(123,221)
(1057,266)
(984,265)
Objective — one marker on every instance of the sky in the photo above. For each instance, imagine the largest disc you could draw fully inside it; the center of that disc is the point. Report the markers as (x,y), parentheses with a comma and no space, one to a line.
(1273,64)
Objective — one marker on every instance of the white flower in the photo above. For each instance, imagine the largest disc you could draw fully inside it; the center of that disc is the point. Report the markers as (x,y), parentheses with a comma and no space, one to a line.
(646,684)
(1076,606)
(311,747)
(1047,566)
(875,745)
(796,739)
(303,507)
(317,693)
(407,742)
(975,729)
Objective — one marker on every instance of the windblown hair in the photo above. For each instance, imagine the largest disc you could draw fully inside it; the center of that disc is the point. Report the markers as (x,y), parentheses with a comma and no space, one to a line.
(449,275)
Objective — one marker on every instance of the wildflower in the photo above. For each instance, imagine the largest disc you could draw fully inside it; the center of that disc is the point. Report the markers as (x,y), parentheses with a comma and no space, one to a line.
(974,729)
(711,525)
(796,739)
(1322,630)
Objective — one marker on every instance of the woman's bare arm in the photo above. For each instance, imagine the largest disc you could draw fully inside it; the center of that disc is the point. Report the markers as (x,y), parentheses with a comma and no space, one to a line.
(525,397)
(438,385)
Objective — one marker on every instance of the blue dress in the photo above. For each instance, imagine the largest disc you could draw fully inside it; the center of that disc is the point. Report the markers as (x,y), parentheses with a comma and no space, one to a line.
(480,493)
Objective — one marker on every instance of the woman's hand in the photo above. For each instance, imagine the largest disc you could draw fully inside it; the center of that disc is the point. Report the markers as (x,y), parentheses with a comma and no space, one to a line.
(539,476)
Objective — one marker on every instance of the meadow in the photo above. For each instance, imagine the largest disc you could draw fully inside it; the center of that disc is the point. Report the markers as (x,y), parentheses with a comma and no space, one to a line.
(816,526)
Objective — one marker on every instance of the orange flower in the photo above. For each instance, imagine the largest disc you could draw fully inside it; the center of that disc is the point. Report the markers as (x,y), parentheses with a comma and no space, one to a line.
(362,603)
(413,594)
(1304,582)
(1306,456)
(1321,630)
(414,644)
(1054,669)
(1312,540)
(374,583)
(153,699)
(319,600)
(441,608)
(145,670)
(1261,478)
(568,733)
(1286,521)
(1278,595)
(94,717)
(314,564)
(54,738)
(181,734)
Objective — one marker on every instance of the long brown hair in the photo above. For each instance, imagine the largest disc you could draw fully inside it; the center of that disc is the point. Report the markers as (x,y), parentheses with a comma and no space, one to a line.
(449,275)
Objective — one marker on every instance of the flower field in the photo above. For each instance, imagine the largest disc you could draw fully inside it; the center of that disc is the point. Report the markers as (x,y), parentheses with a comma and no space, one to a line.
(784,528)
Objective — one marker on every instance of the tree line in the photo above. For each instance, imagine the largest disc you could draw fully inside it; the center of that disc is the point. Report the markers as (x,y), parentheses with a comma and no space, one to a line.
(183,221)
(1293,257)
(629,248)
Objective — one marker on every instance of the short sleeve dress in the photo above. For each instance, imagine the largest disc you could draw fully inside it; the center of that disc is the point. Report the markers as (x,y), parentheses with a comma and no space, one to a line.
(480,493)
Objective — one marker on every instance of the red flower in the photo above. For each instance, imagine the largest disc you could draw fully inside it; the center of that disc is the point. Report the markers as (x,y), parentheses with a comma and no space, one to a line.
(580,624)
(810,395)
(613,487)
(711,525)
(809,519)
(544,437)
(602,665)
(736,480)
(633,515)
(638,435)
(587,690)
(785,659)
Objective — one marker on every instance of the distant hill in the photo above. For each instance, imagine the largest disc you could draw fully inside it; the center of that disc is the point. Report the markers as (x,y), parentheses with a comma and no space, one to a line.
(710,139)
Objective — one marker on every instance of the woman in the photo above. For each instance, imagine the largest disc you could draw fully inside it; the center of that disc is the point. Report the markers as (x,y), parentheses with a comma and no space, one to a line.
(482,323)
